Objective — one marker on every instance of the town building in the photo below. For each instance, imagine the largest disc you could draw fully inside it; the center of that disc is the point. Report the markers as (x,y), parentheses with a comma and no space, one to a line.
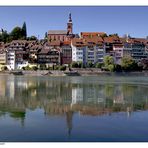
(88,50)
(135,48)
(95,49)
(17,54)
(3,54)
(33,48)
(49,56)
(100,52)
(118,49)
(79,50)
(138,51)
(62,35)
(92,34)
(66,53)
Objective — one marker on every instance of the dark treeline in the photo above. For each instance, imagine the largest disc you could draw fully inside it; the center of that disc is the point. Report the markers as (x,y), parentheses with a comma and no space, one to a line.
(17,33)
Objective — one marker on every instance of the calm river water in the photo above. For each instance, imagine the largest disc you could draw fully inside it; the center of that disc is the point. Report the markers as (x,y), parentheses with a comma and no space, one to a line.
(94,108)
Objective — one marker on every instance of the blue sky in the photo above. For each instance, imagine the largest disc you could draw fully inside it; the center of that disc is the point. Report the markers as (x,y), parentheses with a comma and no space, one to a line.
(121,20)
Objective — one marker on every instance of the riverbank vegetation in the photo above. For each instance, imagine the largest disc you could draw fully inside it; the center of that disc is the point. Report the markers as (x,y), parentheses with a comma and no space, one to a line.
(127,64)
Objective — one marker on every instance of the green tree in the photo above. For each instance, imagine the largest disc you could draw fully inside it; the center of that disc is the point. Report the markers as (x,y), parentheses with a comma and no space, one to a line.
(4,37)
(103,35)
(31,38)
(62,68)
(16,33)
(115,34)
(109,63)
(99,65)
(118,68)
(90,64)
(80,64)
(46,35)
(24,31)
(111,67)
(74,65)
(108,60)
(127,63)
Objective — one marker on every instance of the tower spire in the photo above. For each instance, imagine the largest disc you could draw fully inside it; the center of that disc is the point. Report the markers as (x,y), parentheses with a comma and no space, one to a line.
(70,20)
(69,25)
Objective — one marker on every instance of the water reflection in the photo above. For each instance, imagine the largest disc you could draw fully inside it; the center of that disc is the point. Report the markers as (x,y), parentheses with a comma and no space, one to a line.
(66,95)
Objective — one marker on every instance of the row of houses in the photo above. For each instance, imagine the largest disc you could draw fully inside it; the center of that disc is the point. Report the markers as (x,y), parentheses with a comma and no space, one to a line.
(20,53)
(64,47)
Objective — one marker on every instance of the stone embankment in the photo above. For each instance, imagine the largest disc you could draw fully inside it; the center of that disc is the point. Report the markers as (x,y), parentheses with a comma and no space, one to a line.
(73,72)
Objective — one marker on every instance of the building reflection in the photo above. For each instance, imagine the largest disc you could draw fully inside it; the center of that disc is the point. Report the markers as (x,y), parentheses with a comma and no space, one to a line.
(57,96)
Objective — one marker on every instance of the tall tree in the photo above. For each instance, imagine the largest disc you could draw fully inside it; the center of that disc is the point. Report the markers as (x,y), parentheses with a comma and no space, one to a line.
(4,36)
(16,33)
(46,35)
(24,31)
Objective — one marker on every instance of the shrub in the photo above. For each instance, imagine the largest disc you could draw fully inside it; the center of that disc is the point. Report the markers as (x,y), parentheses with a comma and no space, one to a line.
(42,67)
(128,64)
(111,67)
(23,68)
(4,68)
(90,64)
(99,65)
(63,68)
(80,64)
(74,65)
(118,68)
(56,67)
(26,68)
(34,68)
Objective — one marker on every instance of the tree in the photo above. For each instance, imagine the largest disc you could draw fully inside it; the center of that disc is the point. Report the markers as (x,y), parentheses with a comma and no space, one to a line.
(103,35)
(46,35)
(128,64)
(109,63)
(143,64)
(98,65)
(111,67)
(80,64)
(115,34)
(74,65)
(24,31)
(108,60)
(118,68)
(4,36)
(31,38)
(62,68)
(16,33)
(90,64)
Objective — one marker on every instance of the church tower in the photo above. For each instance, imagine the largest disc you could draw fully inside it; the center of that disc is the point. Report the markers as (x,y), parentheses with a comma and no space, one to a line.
(69,25)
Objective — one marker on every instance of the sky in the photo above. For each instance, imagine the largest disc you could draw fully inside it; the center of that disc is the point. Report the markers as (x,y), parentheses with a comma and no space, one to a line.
(109,19)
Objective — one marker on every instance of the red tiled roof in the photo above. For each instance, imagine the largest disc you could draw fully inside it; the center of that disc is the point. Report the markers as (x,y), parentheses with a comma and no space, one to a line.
(134,40)
(45,50)
(57,32)
(95,40)
(78,42)
(112,39)
(92,33)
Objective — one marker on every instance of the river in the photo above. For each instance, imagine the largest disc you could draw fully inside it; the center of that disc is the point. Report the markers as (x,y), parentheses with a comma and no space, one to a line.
(92,108)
